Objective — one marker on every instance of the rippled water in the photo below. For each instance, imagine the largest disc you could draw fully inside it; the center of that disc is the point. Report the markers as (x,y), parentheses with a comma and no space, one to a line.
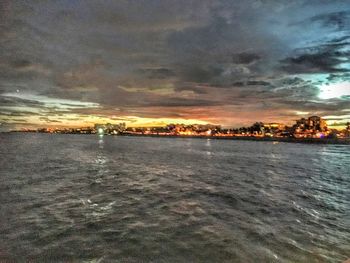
(137,199)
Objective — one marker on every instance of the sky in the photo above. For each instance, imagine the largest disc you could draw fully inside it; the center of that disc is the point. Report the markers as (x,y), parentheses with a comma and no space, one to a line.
(75,63)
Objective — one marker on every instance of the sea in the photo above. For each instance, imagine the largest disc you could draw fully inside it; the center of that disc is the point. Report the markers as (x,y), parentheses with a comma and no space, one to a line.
(91,198)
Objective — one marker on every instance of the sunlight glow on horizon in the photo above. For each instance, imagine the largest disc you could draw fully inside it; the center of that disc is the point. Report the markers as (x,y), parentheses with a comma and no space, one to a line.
(76,121)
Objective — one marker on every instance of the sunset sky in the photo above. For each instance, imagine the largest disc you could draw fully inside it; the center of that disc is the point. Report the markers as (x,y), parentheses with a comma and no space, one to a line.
(76,63)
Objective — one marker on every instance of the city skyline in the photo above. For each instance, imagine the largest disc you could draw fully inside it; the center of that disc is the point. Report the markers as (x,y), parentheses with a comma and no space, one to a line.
(188,123)
(305,128)
(151,63)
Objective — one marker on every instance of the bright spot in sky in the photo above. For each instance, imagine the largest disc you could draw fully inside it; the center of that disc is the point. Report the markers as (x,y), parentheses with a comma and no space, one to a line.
(334,90)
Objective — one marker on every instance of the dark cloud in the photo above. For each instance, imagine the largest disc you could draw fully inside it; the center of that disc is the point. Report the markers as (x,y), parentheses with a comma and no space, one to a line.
(6,101)
(323,62)
(246,58)
(340,20)
(343,77)
(326,58)
(48,120)
(258,83)
(174,59)
(156,73)
(238,84)
(183,102)
(20,63)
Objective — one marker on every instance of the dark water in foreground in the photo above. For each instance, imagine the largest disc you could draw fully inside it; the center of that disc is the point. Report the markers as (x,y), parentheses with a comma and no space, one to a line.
(136,199)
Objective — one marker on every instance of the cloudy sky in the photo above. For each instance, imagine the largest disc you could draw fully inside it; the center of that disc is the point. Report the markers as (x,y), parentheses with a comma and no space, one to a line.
(150,62)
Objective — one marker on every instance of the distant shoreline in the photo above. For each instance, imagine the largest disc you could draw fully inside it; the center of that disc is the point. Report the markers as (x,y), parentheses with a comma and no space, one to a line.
(340,141)
(344,141)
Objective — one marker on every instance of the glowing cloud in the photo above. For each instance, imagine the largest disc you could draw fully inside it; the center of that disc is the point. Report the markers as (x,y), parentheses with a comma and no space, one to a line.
(334,90)
(52,102)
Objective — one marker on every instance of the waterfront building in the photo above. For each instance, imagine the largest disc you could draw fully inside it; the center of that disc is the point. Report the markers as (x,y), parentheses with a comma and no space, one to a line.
(317,123)
(109,128)
(313,126)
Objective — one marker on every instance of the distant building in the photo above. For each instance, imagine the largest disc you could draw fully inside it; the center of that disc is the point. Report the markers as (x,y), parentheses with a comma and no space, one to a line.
(317,123)
(313,126)
(274,129)
(109,128)
(194,129)
(347,130)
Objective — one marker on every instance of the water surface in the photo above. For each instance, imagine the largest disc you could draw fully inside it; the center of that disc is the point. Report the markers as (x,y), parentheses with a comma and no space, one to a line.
(142,199)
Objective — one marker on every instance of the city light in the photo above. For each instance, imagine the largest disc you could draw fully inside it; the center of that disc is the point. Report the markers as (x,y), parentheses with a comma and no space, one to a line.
(311,127)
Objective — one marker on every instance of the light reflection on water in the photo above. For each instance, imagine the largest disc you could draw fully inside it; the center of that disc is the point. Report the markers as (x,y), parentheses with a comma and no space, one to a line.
(102,198)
